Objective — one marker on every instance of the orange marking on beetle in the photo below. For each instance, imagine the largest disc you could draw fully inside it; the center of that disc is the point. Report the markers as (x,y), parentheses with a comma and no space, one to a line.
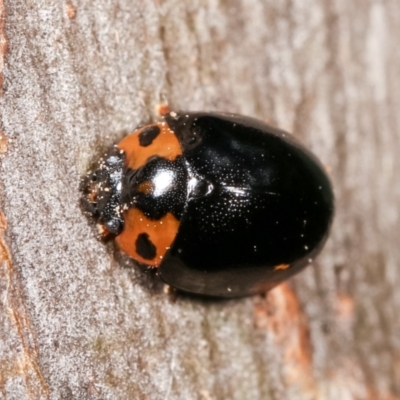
(281,267)
(161,233)
(164,145)
(146,187)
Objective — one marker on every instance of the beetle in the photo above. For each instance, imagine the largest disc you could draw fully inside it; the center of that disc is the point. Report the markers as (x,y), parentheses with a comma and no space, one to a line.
(222,204)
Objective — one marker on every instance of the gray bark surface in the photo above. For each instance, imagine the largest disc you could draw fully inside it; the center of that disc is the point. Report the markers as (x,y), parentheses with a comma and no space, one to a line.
(79,320)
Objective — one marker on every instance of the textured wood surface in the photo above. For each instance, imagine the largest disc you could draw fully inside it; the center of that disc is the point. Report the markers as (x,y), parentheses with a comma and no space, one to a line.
(78,320)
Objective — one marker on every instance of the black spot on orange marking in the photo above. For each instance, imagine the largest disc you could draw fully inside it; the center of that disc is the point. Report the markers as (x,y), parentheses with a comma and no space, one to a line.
(144,247)
(165,145)
(147,135)
(161,234)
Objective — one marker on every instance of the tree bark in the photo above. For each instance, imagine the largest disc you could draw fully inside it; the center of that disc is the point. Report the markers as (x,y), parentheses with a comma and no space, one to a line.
(79,320)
